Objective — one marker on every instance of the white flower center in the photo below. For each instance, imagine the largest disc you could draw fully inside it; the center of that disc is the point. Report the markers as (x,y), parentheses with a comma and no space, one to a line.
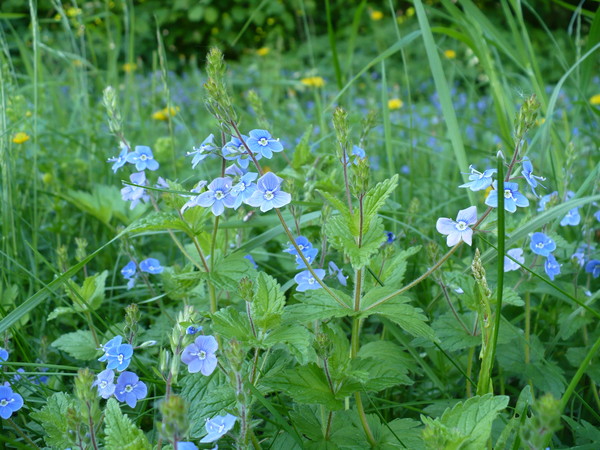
(3,402)
(540,245)
(269,195)
(507,193)
(201,355)
(143,157)
(263,141)
(301,247)
(311,280)
(129,388)
(103,384)
(120,357)
(461,226)
(219,195)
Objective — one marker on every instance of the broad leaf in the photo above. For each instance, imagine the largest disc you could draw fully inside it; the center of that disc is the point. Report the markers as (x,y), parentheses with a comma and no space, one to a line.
(54,419)
(79,344)
(268,301)
(229,323)
(317,305)
(296,338)
(121,432)
(376,198)
(158,221)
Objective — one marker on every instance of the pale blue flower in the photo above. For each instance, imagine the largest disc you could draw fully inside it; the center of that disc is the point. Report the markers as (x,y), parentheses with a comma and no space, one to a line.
(200,355)
(186,445)
(129,270)
(261,142)
(531,179)
(390,238)
(217,427)
(597,215)
(105,384)
(303,244)
(235,150)
(251,259)
(194,199)
(244,189)
(479,181)
(130,389)
(119,161)
(135,194)
(551,266)
(458,230)
(542,244)
(268,194)
(509,264)
(193,329)
(512,197)
(307,282)
(218,196)
(10,401)
(309,254)
(593,267)
(151,265)
(552,197)
(143,158)
(117,355)
(3,355)
(572,218)
(335,270)
(110,346)
(202,151)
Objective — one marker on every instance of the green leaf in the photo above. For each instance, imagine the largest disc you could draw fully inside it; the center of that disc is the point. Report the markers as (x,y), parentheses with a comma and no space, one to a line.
(99,203)
(53,418)
(341,238)
(409,318)
(88,297)
(343,209)
(228,271)
(308,384)
(342,434)
(376,197)
(385,365)
(467,425)
(317,305)
(229,323)
(296,338)
(208,395)
(452,336)
(158,221)
(79,344)
(121,432)
(394,271)
(268,301)
(302,154)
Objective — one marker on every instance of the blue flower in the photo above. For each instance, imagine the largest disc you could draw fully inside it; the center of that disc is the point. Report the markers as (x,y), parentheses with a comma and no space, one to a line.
(193,329)
(217,427)
(130,389)
(509,264)
(135,193)
(306,282)
(218,196)
(117,355)
(110,346)
(512,197)
(459,230)
(194,201)
(3,355)
(551,266)
(129,270)
(390,238)
(10,402)
(251,259)
(479,181)
(597,215)
(309,254)
(268,194)
(119,161)
(572,218)
(593,267)
(202,151)
(553,196)
(335,270)
(358,154)
(235,150)
(186,445)
(143,158)
(151,265)
(262,143)
(303,244)
(200,355)
(234,171)
(542,244)
(531,179)
(244,189)
(105,384)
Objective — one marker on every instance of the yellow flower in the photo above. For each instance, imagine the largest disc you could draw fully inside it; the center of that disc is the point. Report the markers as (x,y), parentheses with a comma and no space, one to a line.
(540,121)
(595,99)
(129,67)
(72,12)
(395,103)
(28,114)
(47,178)
(263,51)
(313,81)
(165,113)
(450,54)
(410,12)
(20,137)
(270,21)
(376,15)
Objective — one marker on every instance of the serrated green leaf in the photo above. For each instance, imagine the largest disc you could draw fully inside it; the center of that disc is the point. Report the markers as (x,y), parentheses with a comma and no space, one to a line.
(399,433)
(268,301)
(53,418)
(342,239)
(229,323)
(308,384)
(158,221)
(376,197)
(209,396)
(316,305)
(228,271)
(296,338)
(343,209)
(342,432)
(385,365)
(121,432)
(91,293)
(79,344)
(468,424)
(302,154)
(393,273)
(99,203)
(452,336)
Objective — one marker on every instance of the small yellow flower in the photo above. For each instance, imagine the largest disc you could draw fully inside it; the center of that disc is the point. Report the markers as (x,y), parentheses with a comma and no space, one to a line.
(165,113)
(263,51)
(57,17)
(270,21)
(540,121)
(20,137)
(129,67)
(72,12)
(313,81)
(28,113)
(595,99)
(376,15)
(450,54)
(395,103)
(47,178)
(77,63)
(410,12)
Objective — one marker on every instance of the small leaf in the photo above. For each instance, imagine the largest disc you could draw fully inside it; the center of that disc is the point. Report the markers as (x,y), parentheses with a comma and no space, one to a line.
(342,239)
(302,154)
(158,221)
(376,198)
(121,432)
(268,300)
(79,344)
(385,363)
(229,323)
(317,305)
(54,420)
(296,338)
(452,336)
(393,273)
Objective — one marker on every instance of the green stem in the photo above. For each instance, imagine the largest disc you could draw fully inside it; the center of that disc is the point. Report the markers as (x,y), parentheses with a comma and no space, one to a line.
(21,433)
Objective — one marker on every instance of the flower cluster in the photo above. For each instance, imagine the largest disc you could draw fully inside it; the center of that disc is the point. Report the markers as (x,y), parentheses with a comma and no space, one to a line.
(148,265)
(128,388)
(544,246)
(239,186)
